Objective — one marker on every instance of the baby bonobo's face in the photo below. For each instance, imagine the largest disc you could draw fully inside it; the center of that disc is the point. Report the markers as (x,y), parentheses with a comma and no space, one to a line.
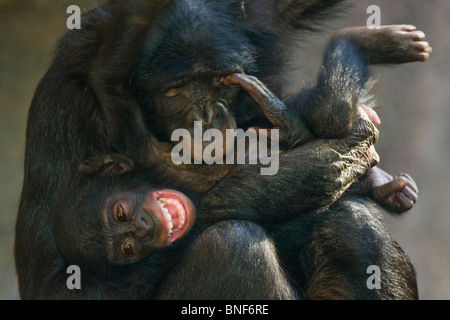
(138,222)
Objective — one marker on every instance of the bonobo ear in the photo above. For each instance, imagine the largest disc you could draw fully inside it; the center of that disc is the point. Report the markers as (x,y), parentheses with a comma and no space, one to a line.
(106,165)
(299,14)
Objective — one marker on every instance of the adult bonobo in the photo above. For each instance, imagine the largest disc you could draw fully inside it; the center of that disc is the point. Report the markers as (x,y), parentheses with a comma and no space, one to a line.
(100,103)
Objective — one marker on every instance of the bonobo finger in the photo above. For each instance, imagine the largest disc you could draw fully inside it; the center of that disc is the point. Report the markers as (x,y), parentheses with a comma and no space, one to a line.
(408,192)
(251,85)
(408,27)
(421,57)
(422,46)
(404,201)
(363,131)
(365,125)
(370,158)
(411,183)
(359,145)
(416,35)
(272,107)
(230,81)
(389,188)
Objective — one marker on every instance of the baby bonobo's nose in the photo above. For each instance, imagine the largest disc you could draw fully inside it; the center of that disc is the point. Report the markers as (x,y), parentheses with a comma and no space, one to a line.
(143,225)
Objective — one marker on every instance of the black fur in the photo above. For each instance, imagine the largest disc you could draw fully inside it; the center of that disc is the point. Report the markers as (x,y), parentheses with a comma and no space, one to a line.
(96,99)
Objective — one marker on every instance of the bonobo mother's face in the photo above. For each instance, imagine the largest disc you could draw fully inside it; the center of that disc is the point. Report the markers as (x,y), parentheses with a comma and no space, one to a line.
(138,222)
(177,77)
(197,105)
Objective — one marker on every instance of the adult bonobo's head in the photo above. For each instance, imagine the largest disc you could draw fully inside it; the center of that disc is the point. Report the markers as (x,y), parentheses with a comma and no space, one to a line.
(117,220)
(187,52)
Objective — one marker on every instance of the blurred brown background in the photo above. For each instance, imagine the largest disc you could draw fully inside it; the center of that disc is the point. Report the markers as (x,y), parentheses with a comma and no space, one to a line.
(414,104)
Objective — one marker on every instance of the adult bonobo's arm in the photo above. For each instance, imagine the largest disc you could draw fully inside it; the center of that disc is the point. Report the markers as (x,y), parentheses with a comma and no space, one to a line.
(317,174)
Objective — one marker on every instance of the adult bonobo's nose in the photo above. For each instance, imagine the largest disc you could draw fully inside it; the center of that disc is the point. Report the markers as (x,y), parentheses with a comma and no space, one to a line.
(211,110)
(202,114)
(208,114)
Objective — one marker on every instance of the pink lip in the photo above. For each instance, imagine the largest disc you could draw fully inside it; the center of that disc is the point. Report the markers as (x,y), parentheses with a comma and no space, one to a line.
(373,116)
(178,213)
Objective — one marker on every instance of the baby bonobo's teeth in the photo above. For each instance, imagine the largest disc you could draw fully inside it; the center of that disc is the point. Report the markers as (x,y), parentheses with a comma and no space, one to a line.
(163,202)
(167,214)
(182,221)
(169,224)
(175,220)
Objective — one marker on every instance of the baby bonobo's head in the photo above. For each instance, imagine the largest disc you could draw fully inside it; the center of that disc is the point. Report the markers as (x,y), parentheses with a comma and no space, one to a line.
(118,220)
(136,222)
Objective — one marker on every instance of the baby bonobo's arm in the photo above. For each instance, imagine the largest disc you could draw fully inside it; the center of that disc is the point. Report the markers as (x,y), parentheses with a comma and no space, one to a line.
(397,194)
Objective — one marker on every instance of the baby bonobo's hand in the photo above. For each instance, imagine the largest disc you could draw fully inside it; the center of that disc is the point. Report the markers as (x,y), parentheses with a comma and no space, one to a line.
(272,107)
(397,194)
(106,165)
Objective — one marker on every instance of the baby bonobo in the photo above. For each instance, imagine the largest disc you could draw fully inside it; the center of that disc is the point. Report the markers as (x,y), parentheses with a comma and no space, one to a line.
(121,221)
(352,49)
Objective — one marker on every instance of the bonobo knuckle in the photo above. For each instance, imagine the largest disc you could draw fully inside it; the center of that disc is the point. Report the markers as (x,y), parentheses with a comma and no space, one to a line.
(366,130)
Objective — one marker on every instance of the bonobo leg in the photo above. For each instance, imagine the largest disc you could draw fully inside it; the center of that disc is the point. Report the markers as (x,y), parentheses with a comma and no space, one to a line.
(328,254)
(231,260)
(390,44)
(330,109)
(293,131)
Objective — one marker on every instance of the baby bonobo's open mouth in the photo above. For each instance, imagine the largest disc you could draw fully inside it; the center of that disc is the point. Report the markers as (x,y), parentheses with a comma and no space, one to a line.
(178,212)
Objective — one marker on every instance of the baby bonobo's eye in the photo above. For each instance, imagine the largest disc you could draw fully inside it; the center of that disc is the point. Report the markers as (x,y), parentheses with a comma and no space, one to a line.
(121,214)
(128,248)
(172,93)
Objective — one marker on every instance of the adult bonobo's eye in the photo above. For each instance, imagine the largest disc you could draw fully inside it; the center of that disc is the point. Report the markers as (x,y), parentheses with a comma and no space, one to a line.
(128,248)
(172,93)
(121,213)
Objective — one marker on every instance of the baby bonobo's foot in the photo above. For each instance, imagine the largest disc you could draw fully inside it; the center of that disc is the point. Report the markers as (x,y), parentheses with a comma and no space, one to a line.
(272,107)
(106,165)
(397,194)
(390,44)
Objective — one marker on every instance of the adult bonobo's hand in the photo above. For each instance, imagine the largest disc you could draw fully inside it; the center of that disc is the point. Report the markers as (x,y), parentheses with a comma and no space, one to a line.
(322,169)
